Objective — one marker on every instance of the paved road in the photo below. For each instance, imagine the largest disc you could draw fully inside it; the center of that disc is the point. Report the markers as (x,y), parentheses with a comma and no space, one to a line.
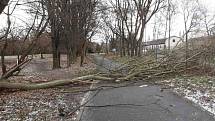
(104,65)
(140,103)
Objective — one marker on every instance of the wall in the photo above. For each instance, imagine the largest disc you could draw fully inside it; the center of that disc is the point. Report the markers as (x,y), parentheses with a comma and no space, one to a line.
(174,41)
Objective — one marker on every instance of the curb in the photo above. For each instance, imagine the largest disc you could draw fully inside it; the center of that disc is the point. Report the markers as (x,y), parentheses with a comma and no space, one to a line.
(86,96)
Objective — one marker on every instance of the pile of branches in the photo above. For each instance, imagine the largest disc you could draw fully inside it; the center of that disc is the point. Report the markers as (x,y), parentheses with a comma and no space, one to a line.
(166,66)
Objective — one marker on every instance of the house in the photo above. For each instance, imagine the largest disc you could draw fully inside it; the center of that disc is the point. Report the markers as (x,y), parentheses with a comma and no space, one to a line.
(163,43)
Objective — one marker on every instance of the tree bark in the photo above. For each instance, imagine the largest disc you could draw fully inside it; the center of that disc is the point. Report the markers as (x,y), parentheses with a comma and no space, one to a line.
(55,49)
(56,56)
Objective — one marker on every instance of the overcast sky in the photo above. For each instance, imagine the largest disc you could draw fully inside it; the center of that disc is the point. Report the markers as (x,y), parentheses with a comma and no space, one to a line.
(178,22)
(20,15)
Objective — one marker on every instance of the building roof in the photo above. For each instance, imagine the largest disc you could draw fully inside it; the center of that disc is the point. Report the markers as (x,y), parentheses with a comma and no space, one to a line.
(155,42)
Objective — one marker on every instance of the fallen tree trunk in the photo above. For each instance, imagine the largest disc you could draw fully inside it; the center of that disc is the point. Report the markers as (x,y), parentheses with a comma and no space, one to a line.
(50,84)
(14,69)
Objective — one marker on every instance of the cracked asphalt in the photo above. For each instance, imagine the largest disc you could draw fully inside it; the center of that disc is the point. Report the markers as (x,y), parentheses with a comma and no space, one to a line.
(139,103)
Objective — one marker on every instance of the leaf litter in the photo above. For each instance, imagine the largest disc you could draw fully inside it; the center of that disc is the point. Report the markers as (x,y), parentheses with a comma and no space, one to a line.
(47,104)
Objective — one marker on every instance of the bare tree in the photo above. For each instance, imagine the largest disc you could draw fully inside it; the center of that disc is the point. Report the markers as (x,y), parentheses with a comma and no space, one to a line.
(131,18)
(53,8)
(171,11)
(207,19)
(24,55)
(191,17)
(5,42)
(146,9)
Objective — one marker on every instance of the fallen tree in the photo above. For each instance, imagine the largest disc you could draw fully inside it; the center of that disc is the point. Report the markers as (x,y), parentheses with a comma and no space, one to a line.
(33,86)
(133,69)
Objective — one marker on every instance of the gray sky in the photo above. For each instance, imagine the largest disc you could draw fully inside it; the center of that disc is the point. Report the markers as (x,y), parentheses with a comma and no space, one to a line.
(20,15)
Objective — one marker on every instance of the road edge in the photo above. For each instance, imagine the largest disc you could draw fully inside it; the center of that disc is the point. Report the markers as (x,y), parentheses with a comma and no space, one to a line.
(86,96)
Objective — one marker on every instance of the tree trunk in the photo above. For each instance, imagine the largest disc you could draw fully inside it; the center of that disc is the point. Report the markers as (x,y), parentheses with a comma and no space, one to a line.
(18,58)
(136,48)
(41,56)
(68,58)
(140,50)
(56,55)
(74,55)
(128,49)
(139,42)
(123,47)
(33,86)
(83,50)
(132,48)
(107,48)
(3,64)
(186,51)
(69,55)
(4,68)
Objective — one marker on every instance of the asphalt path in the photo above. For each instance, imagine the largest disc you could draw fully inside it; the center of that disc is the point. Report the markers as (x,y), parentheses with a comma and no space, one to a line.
(138,103)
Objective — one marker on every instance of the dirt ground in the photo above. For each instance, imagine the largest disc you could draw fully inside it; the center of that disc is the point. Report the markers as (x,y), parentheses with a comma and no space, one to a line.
(48,104)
